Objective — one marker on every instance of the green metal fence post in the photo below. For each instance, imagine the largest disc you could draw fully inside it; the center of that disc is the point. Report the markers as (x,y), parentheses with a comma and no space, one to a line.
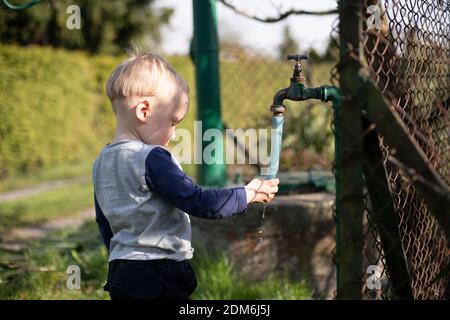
(349,196)
(385,215)
(205,52)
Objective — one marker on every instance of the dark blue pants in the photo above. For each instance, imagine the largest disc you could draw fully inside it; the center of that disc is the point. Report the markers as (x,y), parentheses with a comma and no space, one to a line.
(150,280)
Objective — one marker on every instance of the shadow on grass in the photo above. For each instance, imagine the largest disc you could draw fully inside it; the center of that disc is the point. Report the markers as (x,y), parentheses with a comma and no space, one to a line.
(40,272)
(217,279)
(60,202)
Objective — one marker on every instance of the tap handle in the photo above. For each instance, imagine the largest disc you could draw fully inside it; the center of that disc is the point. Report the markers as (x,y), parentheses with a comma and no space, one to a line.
(297,68)
(297,57)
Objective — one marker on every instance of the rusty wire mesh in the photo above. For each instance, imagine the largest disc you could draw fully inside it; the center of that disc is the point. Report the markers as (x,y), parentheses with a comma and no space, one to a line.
(409,58)
(406,45)
(250,77)
(406,51)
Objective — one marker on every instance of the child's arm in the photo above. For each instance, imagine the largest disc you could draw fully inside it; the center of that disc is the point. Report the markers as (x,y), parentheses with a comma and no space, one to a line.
(103,224)
(166,179)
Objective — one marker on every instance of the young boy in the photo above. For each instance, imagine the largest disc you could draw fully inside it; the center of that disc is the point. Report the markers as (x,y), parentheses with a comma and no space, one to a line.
(142,197)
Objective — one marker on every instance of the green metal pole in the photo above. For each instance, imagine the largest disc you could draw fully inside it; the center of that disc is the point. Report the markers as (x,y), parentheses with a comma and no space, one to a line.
(205,53)
(349,196)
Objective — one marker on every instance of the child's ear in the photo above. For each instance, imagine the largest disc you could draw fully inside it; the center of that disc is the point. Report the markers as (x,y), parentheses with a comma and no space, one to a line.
(143,110)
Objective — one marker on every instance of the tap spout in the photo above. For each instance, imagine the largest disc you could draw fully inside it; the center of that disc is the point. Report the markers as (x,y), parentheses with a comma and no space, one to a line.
(297,91)
(280,96)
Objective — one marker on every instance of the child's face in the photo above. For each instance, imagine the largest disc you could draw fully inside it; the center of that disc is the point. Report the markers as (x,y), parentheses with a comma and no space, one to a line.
(159,125)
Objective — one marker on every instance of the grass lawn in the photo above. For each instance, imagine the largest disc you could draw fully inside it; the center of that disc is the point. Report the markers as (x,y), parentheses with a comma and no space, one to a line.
(63,171)
(40,272)
(60,202)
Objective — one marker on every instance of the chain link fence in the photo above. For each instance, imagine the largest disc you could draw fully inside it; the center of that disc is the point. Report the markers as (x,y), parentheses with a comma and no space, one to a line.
(404,47)
(250,77)
(392,236)
(409,59)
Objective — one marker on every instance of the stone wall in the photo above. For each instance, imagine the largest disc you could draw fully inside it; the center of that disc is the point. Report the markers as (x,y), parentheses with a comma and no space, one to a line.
(298,236)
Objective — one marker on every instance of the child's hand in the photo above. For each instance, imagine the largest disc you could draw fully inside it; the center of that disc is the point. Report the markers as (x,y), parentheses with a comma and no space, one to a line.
(259,190)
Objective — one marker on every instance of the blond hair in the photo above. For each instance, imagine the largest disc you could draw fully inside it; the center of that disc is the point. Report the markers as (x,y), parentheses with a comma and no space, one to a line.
(142,75)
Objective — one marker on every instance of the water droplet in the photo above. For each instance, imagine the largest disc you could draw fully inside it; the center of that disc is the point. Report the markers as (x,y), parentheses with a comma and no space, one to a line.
(260,233)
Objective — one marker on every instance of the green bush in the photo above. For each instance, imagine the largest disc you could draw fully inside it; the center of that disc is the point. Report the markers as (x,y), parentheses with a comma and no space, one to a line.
(48,107)
(104,119)
(54,107)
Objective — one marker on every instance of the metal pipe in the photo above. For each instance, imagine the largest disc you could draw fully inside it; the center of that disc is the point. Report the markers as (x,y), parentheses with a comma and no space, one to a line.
(205,53)
(275,146)
(20,6)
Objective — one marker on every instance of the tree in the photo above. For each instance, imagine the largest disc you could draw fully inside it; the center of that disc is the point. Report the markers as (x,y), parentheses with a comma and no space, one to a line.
(281,15)
(106,26)
(332,51)
(289,45)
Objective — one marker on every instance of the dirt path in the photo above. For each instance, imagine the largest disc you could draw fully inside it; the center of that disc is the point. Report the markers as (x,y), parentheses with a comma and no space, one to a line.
(39,188)
(15,239)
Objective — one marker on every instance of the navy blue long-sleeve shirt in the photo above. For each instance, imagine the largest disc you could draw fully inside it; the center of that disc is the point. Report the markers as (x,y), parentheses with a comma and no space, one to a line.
(164,178)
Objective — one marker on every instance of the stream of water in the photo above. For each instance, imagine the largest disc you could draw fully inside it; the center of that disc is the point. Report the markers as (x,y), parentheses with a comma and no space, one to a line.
(261,233)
